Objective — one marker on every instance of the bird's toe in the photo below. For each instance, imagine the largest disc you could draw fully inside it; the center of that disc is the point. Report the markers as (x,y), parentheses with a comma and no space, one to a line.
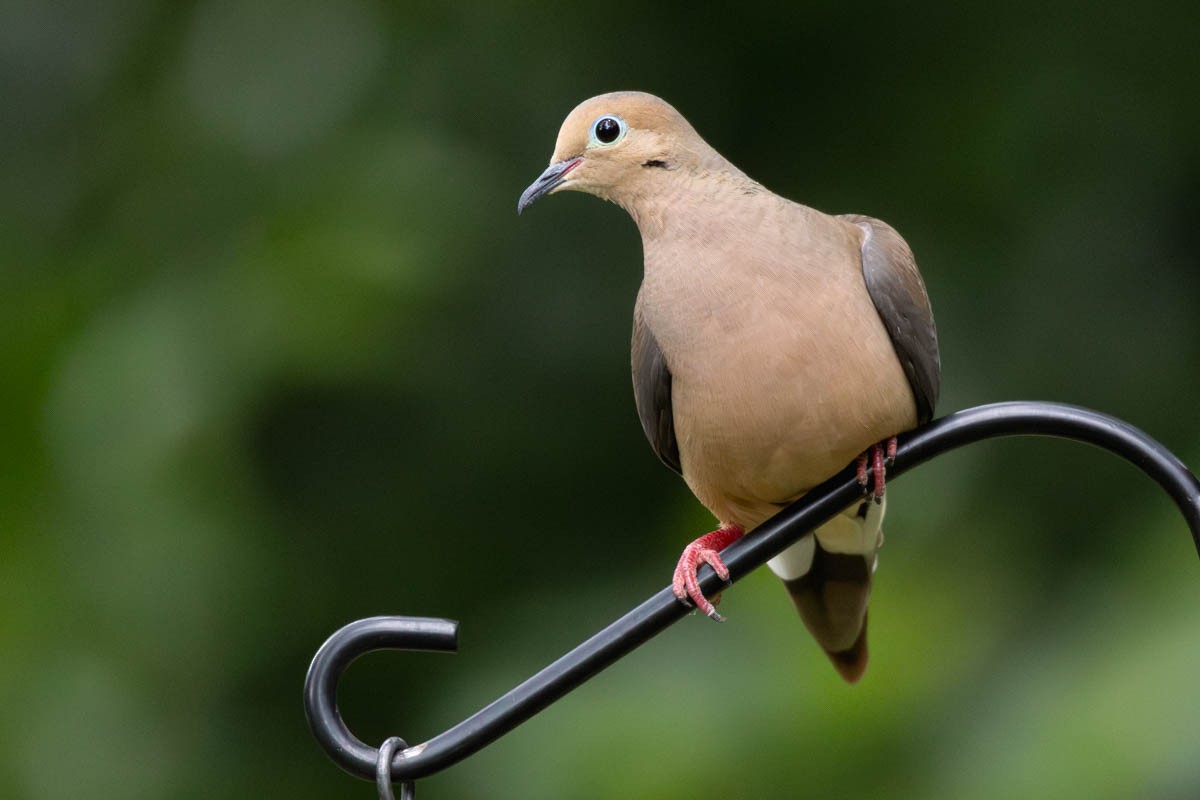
(705,550)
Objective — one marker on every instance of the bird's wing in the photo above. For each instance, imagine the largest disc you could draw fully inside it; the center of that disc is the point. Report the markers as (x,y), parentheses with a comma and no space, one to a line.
(898,293)
(652,393)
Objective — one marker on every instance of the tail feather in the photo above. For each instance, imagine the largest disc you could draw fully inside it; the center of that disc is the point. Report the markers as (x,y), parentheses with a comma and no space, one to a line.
(832,599)
(852,663)
(828,575)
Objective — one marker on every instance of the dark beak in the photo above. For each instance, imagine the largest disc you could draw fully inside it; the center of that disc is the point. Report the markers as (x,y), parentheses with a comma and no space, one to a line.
(548,181)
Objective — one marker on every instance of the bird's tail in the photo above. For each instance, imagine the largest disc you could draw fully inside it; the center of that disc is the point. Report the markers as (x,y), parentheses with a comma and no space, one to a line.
(828,575)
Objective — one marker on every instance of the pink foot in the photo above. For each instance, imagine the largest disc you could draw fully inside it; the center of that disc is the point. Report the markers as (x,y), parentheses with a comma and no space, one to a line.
(863,470)
(703,551)
(871,467)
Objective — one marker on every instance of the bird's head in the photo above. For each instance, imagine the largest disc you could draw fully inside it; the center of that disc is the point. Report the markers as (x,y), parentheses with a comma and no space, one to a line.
(618,146)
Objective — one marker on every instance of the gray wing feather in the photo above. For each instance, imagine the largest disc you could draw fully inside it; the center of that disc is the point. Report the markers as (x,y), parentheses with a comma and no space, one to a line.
(896,289)
(652,393)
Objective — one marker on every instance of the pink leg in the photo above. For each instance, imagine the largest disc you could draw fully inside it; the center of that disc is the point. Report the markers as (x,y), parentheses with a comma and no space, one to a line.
(704,550)
(880,472)
(871,467)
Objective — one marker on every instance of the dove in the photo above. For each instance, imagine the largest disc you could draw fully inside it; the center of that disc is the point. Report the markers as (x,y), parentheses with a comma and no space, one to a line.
(773,345)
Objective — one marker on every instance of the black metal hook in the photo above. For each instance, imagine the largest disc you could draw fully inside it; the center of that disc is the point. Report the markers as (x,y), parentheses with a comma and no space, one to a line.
(343,647)
(662,610)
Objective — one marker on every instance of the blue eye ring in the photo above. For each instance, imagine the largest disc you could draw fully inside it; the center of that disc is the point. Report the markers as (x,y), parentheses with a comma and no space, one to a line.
(607,130)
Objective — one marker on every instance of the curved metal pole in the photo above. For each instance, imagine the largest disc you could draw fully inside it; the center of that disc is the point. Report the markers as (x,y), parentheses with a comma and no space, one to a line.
(662,610)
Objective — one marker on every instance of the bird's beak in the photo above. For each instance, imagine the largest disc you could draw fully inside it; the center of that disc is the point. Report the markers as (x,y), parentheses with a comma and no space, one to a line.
(548,181)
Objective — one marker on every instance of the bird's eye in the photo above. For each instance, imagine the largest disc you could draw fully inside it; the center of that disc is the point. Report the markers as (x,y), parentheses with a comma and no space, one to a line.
(608,130)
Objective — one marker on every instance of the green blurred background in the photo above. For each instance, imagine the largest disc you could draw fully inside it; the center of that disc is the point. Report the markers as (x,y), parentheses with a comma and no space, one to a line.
(277,353)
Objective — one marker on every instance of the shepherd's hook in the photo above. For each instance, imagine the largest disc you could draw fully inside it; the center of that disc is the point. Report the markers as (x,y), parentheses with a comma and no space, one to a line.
(660,611)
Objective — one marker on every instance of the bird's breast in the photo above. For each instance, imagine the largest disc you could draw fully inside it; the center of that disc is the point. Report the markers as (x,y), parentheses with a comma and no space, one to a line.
(781,369)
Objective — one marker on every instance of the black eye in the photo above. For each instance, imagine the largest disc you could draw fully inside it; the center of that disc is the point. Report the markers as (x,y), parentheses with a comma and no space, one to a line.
(608,130)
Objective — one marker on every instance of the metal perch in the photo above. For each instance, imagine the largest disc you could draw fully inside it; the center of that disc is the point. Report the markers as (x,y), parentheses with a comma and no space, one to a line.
(662,610)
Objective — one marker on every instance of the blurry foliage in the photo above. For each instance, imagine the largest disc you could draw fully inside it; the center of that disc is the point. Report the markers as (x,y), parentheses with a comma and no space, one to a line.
(277,354)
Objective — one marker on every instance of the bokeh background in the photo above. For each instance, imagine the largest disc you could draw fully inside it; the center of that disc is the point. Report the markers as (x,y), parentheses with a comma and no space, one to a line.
(277,353)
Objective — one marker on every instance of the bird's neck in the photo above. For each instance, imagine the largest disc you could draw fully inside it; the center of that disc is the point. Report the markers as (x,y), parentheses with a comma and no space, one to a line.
(688,200)
(709,227)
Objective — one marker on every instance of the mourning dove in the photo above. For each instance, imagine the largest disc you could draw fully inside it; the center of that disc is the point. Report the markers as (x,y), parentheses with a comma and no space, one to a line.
(773,345)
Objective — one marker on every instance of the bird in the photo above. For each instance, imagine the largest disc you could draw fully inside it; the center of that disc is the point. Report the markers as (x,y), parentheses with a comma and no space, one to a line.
(773,345)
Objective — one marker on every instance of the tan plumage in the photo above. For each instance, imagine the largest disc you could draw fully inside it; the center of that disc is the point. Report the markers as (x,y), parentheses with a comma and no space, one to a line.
(762,364)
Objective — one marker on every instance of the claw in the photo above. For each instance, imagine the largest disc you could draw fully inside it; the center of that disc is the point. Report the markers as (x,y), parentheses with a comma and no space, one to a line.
(705,550)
